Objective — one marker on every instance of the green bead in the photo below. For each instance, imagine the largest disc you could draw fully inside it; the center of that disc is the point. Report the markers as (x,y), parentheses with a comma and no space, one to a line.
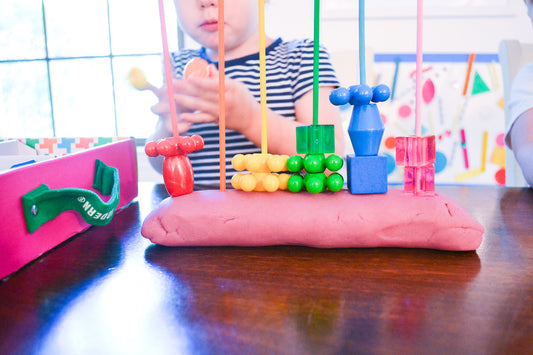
(295,183)
(335,182)
(295,163)
(334,162)
(315,184)
(315,163)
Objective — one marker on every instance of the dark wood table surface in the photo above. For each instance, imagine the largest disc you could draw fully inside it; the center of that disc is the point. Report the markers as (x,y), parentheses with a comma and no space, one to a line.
(109,291)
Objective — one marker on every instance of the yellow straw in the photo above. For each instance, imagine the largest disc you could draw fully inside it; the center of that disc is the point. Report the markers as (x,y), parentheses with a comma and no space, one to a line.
(262,76)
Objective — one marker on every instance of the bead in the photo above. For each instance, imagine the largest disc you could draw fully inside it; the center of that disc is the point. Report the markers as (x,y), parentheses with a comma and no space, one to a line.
(339,97)
(277,163)
(270,183)
(256,162)
(283,179)
(315,184)
(295,183)
(295,163)
(235,181)
(238,162)
(187,145)
(151,149)
(335,182)
(334,162)
(247,182)
(360,94)
(381,93)
(315,163)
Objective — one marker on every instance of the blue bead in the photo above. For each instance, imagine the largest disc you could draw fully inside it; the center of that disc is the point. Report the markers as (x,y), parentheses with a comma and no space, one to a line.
(381,93)
(360,94)
(339,97)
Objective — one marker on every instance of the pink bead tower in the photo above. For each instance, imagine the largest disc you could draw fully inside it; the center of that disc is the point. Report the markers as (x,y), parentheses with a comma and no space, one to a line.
(417,155)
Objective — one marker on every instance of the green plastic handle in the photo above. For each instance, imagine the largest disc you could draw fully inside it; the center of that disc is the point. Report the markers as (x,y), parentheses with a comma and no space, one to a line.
(42,204)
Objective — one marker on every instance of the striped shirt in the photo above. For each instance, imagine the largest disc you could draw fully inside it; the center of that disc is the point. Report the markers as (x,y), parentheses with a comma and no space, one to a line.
(289,72)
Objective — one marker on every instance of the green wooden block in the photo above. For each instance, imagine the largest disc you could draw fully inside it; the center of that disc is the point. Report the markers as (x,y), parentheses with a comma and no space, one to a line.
(315,139)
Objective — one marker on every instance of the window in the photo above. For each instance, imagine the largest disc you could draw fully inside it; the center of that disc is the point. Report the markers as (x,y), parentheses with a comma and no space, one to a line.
(64,66)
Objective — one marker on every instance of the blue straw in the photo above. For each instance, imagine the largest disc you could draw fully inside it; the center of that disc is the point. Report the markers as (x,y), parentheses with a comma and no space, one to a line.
(362,66)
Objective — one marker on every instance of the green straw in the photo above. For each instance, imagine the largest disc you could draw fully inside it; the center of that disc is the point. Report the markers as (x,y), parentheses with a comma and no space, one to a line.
(316,58)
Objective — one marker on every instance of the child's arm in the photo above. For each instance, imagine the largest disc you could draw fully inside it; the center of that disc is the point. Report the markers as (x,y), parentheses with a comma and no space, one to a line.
(521,135)
(243,113)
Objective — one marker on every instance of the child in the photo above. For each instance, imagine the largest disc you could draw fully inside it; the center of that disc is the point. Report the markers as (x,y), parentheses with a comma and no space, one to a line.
(289,70)
(519,135)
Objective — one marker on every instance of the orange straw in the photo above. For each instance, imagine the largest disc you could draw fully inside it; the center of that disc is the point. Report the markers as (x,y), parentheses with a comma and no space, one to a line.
(221,96)
(468,71)
(168,71)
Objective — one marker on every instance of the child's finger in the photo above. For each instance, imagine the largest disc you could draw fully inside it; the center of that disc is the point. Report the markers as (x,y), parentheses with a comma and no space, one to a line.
(194,103)
(199,117)
(160,108)
(204,84)
(198,87)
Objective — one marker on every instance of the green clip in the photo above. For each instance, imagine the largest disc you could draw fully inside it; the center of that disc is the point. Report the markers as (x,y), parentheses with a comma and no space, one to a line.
(315,139)
(42,204)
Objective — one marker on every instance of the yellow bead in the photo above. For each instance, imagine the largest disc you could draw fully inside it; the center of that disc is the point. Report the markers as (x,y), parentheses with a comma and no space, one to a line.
(238,162)
(248,182)
(283,178)
(277,163)
(256,163)
(270,183)
(259,177)
(235,181)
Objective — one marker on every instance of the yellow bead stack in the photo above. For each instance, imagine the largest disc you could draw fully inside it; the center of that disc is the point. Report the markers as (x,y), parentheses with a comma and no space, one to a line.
(263,172)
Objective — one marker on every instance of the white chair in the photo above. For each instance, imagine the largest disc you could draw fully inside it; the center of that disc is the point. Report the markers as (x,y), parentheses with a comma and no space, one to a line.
(513,55)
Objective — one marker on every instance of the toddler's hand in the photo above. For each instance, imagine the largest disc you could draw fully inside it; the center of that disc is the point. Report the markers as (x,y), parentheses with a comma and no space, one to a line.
(162,109)
(199,99)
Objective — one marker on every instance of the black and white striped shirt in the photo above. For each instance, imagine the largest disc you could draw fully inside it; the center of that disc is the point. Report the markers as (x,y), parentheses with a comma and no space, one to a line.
(289,72)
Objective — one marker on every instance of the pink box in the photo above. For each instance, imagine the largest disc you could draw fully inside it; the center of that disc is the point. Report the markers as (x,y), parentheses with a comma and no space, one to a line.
(17,246)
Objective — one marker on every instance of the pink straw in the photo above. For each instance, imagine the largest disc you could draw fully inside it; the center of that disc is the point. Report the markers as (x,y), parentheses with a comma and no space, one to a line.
(168,71)
(418,103)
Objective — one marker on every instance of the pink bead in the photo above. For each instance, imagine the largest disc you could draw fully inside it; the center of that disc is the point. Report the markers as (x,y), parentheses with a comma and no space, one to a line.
(420,181)
(415,151)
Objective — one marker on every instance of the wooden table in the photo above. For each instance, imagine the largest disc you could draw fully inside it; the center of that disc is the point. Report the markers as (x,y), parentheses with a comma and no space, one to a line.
(108,291)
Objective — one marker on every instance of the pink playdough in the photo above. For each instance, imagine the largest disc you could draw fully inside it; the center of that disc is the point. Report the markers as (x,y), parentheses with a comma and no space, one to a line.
(327,220)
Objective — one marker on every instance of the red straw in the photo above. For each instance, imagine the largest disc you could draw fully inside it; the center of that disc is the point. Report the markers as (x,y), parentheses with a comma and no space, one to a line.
(221,96)
(168,71)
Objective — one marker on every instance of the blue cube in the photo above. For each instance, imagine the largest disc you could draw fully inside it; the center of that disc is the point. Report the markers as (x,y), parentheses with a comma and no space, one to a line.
(367,174)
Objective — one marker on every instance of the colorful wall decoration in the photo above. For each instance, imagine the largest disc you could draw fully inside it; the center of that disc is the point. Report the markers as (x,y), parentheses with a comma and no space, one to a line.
(462,106)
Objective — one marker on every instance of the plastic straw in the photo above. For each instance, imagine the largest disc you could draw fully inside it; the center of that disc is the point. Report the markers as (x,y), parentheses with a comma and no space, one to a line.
(418,103)
(316,61)
(362,61)
(262,76)
(168,71)
(221,96)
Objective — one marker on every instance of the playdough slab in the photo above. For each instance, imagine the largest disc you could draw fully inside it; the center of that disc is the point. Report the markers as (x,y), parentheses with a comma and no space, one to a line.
(326,220)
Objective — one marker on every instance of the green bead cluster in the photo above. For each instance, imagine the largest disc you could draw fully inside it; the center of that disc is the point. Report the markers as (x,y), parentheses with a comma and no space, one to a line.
(315,180)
